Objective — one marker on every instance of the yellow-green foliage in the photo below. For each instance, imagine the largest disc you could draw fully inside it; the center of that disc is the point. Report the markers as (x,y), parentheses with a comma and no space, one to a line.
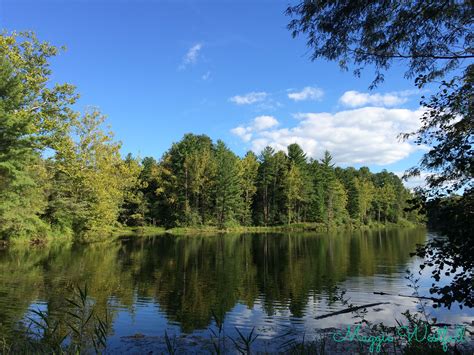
(80,188)
(97,177)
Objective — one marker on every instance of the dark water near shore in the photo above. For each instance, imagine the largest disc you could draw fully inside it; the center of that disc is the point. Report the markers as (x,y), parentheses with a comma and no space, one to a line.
(272,282)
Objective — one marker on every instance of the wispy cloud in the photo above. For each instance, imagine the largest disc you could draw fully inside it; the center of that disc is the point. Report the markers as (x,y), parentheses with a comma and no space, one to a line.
(357,99)
(360,136)
(307,93)
(206,75)
(250,98)
(191,56)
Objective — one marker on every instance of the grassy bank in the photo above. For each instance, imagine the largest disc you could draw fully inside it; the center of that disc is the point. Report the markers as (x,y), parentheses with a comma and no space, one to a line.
(295,227)
(148,231)
(143,231)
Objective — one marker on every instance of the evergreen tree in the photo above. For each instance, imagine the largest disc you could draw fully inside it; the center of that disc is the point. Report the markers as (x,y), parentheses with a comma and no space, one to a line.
(316,203)
(187,175)
(150,186)
(297,156)
(295,193)
(134,208)
(34,116)
(328,187)
(249,172)
(22,199)
(228,192)
(278,210)
(266,175)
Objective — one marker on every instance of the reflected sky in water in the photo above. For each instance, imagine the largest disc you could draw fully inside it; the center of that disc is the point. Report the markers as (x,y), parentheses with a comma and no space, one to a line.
(273,282)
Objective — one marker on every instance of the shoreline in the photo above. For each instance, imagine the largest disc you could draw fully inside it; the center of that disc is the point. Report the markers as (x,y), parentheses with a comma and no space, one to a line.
(297,227)
(150,231)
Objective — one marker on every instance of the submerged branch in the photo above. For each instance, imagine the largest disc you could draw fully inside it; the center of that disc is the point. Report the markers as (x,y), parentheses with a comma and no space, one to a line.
(351,309)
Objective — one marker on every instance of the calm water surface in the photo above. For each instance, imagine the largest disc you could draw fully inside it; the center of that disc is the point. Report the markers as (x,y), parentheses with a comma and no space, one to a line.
(272,282)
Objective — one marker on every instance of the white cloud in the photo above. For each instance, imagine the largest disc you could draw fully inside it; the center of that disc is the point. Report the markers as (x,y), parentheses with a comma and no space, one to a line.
(244,133)
(356,99)
(415,181)
(308,93)
(360,136)
(191,56)
(250,98)
(259,123)
(264,122)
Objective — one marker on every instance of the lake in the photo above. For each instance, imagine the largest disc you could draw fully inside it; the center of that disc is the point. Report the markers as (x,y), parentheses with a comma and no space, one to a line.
(273,282)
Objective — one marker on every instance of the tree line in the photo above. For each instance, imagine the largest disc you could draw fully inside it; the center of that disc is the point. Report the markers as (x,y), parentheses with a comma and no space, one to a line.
(61,171)
(198,182)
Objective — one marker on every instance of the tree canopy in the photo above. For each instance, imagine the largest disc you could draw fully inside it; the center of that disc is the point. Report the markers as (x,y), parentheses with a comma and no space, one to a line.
(434,37)
(201,183)
(79,185)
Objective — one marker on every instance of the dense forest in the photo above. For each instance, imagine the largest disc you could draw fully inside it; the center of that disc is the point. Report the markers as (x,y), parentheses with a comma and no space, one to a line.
(61,172)
(197,182)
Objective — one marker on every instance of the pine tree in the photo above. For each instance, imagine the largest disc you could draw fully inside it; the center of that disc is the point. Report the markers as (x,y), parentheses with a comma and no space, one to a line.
(34,116)
(187,177)
(297,156)
(149,182)
(249,172)
(266,175)
(228,192)
(327,187)
(295,193)
(22,199)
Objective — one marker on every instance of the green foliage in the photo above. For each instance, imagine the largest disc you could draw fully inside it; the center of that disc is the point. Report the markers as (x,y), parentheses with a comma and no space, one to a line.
(249,170)
(80,187)
(435,41)
(90,180)
(21,171)
(266,176)
(78,330)
(448,128)
(186,176)
(135,208)
(199,183)
(61,172)
(294,192)
(434,38)
(365,194)
(27,125)
(228,189)
(451,256)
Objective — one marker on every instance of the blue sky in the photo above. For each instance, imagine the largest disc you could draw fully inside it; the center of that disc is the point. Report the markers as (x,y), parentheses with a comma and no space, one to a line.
(229,69)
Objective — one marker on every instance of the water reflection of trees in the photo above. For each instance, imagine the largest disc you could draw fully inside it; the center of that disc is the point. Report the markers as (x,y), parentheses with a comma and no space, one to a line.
(190,276)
